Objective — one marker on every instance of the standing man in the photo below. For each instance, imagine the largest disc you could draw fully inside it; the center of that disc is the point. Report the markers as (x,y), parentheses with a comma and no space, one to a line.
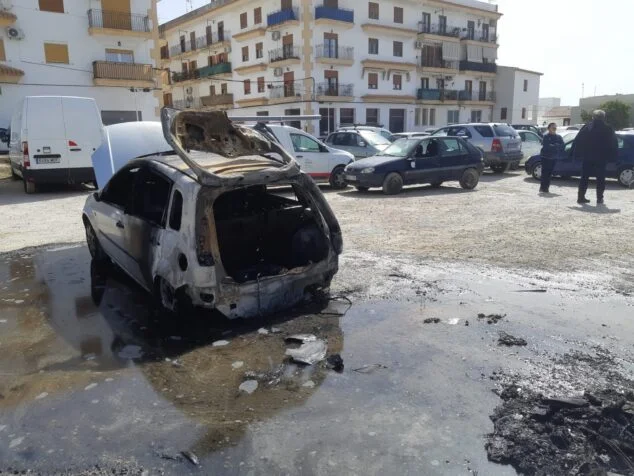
(596,145)
(552,147)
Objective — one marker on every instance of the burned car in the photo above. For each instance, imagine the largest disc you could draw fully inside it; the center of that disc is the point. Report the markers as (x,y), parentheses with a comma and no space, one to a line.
(221,218)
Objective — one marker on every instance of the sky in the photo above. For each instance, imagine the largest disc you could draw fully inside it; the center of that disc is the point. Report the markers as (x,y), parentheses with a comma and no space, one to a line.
(573,42)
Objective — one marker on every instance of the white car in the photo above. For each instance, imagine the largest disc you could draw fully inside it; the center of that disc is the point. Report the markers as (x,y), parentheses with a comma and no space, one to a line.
(195,214)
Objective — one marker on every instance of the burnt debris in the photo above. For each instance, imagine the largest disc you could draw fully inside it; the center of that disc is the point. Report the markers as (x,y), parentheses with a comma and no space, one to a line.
(508,340)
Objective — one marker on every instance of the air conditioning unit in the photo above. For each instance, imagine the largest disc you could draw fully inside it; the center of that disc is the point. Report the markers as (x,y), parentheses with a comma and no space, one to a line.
(278,72)
(418,45)
(189,90)
(276,35)
(14,33)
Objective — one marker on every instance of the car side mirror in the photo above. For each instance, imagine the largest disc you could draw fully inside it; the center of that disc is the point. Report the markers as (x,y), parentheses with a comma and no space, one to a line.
(323,148)
(97,196)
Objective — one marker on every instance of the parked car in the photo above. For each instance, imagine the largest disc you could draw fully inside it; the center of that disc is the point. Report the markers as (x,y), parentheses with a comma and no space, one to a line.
(500,143)
(409,135)
(529,127)
(360,143)
(379,130)
(323,163)
(432,160)
(52,140)
(622,169)
(531,144)
(204,222)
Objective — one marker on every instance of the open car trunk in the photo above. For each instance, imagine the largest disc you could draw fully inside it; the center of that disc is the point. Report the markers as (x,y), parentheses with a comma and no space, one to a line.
(263,232)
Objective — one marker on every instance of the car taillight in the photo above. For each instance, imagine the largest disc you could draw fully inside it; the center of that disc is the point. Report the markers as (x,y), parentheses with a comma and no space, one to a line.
(496,146)
(25,154)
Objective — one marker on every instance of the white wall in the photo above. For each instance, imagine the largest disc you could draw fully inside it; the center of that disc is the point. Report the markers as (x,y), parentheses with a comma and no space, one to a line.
(511,95)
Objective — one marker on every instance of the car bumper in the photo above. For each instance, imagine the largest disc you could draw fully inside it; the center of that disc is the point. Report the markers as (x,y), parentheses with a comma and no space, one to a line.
(59,176)
(494,158)
(363,180)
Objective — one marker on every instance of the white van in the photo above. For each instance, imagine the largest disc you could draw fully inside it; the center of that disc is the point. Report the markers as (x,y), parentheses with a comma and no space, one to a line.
(52,140)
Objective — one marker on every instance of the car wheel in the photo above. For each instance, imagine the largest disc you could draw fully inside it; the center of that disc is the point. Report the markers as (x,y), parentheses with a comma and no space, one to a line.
(14,176)
(362,189)
(96,251)
(470,179)
(29,187)
(626,176)
(164,295)
(537,171)
(499,168)
(393,184)
(337,178)
(436,184)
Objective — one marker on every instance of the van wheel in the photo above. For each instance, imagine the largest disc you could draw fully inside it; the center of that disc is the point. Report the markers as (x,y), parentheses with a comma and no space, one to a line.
(393,184)
(337,178)
(29,187)
(469,179)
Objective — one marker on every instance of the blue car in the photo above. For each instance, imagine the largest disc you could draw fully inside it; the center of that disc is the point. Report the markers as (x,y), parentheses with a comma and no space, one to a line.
(622,169)
(417,160)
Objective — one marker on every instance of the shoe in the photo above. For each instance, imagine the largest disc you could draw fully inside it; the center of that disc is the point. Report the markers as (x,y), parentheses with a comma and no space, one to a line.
(582,200)
(600,201)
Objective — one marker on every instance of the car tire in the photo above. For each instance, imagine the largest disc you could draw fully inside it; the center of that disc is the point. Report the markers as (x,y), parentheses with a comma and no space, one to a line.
(393,184)
(94,247)
(29,187)
(499,168)
(14,176)
(337,179)
(362,189)
(170,301)
(436,184)
(470,179)
(626,176)
(536,171)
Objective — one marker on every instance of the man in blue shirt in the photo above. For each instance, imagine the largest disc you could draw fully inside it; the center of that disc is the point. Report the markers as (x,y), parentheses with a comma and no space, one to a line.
(552,148)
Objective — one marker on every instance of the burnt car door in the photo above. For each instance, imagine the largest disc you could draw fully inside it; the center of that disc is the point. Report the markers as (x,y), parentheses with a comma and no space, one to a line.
(145,218)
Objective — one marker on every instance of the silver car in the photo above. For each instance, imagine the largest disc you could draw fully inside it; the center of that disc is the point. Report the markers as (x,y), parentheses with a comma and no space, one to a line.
(360,143)
(500,143)
(531,144)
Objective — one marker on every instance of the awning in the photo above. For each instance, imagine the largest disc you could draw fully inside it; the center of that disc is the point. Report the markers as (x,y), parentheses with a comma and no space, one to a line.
(474,53)
(490,54)
(450,51)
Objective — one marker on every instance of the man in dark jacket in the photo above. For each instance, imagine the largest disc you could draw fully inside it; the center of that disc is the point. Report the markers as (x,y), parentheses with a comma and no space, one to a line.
(596,144)
(552,148)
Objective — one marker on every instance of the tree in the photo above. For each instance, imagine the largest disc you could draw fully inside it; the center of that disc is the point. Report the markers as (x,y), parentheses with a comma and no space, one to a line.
(586,116)
(617,114)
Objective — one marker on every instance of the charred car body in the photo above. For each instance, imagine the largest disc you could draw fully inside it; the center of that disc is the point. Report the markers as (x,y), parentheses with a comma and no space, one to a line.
(221,218)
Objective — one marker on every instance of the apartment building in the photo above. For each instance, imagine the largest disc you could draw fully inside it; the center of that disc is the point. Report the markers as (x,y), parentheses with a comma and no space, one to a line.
(517,96)
(104,49)
(404,64)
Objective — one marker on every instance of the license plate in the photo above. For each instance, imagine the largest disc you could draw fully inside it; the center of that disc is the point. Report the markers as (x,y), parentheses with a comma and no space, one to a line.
(48,160)
(352,178)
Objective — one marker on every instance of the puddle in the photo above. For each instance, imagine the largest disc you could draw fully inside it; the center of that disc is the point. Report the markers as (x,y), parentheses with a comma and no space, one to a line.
(92,375)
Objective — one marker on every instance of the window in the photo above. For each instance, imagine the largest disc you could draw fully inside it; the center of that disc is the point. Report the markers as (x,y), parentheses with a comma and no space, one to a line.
(432,117)
(211,61)
(193,66)
(397,82)
(176,212)
(442,24)
(212,89)
(372,116)
(243,20)
(223,88)
(56,53)
(482,93)
(459,132)
(118,188)
(470,30)
(424,83)
(373,46)
(484,131)
(331,3)
(245,53)
(209,37)
(373,80)
(257,16)
(417,116)
(119,56)
(468,87)
(523,113)
(398,15)
(530,137)
(332,82)
(56,6)
(425,117)
(192,40)
(3,56)
(184,67)
(525,85)
(346,115)
(485,32)
(476,116)
(261,86)
(247,86)
(453,117)
(373,11)
(426,23)
(331,45)
(503,113)
(451,148)
(151,197)
(302,143)
(182,42)
(398,48)
(259,50)
(262,113)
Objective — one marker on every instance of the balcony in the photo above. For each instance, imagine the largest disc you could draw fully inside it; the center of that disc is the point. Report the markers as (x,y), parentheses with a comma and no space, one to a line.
(286,55)
(438,29)
(7,18)
(479,36)
(334,92)
(200,73)
(217,100)
(103,22)
(288,92)
(256,31)
(437,94)
(108,73)
(478,67)
(334,16)
(202,42)
(438,64)
(282,17)
(328,54)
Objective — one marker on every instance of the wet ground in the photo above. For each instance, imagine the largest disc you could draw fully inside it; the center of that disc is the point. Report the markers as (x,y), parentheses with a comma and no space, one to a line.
(95,382)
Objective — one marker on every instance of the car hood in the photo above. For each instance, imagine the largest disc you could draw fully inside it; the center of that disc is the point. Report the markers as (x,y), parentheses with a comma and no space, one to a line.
(343,153)
(374,161)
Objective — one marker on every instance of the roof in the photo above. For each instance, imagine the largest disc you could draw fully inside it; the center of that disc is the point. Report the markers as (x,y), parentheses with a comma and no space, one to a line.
(212,5)
(559,111)
(521,70)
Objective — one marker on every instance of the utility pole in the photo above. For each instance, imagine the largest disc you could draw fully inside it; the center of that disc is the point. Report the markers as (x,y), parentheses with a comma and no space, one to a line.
(583,89)
(189,6)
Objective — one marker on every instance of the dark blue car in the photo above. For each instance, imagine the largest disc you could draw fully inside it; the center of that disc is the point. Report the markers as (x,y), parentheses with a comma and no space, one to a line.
(622,169)
(432,160)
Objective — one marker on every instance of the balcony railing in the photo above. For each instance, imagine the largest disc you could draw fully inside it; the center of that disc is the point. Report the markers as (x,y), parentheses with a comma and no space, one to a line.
(438,94)
(204,72)
(195,103)
(328,89)
(282,16)
(200,43)
(479,67)
(125,71)
(217,100)
(438,63)
(284,53)
(340,52)
(439,29)
(478,35)
(338,14)
(118,20)
(287,90)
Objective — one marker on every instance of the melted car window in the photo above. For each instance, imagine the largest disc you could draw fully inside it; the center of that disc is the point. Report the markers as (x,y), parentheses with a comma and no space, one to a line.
(118,191)
(151,196)
(176,212)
